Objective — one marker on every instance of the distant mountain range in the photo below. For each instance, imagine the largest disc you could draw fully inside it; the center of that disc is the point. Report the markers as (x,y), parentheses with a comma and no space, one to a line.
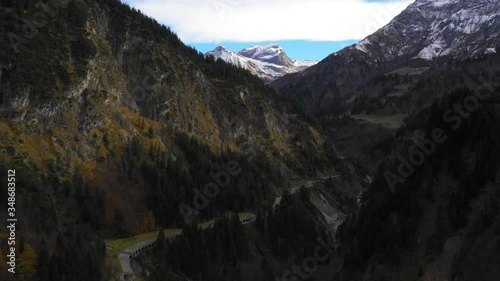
(269,62)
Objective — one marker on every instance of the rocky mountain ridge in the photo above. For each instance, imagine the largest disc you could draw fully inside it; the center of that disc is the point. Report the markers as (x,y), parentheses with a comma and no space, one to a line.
(268,62)
(427,33)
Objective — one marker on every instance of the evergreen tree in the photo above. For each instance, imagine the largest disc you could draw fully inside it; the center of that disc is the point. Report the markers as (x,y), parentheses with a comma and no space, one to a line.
(43,264)
(151,132)
(161,242)
(119,226)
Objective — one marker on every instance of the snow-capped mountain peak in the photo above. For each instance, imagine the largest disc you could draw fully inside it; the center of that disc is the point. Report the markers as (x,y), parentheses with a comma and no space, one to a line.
(430,29)
(269,61)
(229,56)
(271,53)
(271,49)
(220,49)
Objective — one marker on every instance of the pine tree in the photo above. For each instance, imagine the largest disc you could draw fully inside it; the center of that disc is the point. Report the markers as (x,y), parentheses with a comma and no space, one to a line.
(151,132)
(160,243)
(43,264)
(119,226)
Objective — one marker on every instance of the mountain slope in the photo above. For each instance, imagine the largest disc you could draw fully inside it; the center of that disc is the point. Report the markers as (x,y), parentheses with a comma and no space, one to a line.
(109,120)
(431,219)
(164,82)
(269,62)
(271,53)
(427,33)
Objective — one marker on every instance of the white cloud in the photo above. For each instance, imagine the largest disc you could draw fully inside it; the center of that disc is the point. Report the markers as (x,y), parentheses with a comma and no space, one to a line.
(206,21)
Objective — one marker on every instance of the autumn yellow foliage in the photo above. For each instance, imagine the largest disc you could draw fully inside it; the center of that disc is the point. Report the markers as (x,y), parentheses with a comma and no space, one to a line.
(148,223)
(27,263)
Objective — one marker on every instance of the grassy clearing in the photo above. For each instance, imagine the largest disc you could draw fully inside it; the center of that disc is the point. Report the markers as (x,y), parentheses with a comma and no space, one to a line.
(389,122)
(409,71)
(124,243)
(111,260)
(211,222)
(207,224)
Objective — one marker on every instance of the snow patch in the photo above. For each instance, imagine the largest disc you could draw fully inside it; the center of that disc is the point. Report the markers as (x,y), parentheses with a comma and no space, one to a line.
(362,46)
(440,3)
(304,63)
(432,51)
(490,51)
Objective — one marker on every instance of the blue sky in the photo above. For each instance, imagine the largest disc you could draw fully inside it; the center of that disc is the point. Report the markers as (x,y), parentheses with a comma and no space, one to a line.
(306,29)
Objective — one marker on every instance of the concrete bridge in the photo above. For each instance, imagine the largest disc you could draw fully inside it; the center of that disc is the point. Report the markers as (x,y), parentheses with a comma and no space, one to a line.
(247,218)
(126,256)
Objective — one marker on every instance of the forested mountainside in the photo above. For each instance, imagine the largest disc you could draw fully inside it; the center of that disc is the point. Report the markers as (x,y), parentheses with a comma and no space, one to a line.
(417,103)
(280,237)
(431,212)
(359,127)
(119,58)
(111,122)
(363,93)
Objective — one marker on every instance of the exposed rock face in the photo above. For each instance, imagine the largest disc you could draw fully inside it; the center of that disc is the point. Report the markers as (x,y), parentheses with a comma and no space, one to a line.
(271,53)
